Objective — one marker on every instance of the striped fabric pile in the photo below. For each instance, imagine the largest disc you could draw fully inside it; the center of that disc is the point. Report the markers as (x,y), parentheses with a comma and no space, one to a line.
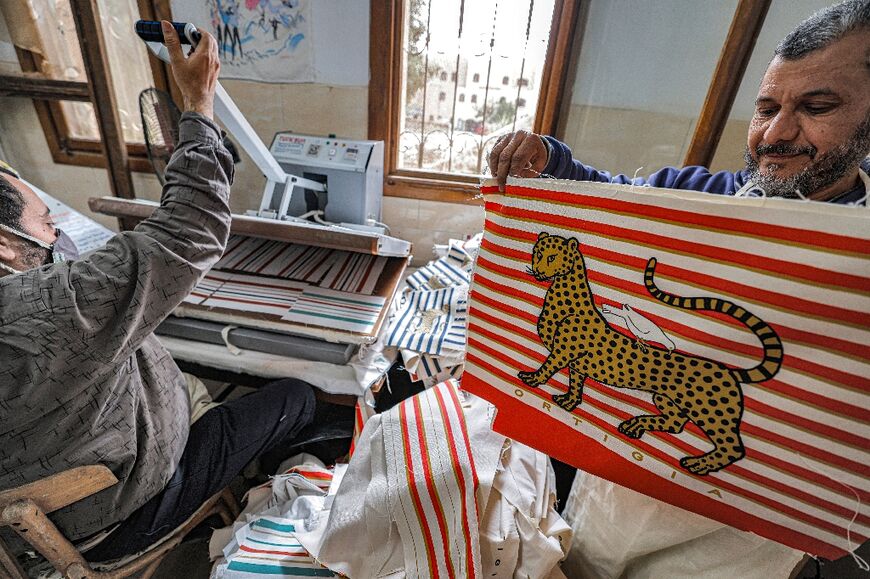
(298,283)
(234,291)
(344,271)
(268,546)
(792,344)
(429,321)
(432,491)
(263,540)
(338,310)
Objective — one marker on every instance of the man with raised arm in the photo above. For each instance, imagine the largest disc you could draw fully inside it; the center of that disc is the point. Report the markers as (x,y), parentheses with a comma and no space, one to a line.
(84,381)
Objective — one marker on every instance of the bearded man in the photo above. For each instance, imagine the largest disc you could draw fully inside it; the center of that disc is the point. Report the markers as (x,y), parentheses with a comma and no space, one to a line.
(809,139)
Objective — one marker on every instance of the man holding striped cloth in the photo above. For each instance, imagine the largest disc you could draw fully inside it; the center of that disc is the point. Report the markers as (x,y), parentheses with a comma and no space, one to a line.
(809,139)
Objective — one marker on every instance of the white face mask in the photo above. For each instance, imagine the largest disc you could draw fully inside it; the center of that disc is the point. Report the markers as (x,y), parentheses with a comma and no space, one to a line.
(63,248)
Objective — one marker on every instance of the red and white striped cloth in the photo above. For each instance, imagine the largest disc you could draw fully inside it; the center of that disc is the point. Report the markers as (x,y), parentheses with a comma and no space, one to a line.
(362,412)
(410,502)
(804,268)
(429,457)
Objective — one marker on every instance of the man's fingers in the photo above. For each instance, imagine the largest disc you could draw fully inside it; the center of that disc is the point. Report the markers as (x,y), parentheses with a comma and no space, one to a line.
(173,45)
(206,44)
(500,144)
(528,154)
(514,158)
(505,160)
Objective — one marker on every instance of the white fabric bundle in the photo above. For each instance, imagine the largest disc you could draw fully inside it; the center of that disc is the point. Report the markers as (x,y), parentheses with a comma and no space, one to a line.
(374,528)
(262,541)
(621,533)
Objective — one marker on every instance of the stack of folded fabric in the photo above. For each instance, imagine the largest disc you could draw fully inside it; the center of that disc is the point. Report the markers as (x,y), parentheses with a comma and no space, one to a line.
(430,491)
(262,541)
(428,322)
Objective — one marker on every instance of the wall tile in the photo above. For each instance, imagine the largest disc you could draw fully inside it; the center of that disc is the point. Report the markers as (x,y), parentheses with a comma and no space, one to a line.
(400,211)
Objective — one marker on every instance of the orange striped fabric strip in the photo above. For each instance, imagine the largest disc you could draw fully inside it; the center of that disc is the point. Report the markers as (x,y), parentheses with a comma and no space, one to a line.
(436,482)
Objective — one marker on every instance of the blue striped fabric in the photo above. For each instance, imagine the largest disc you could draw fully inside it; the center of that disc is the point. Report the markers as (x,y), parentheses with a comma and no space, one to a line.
(268,546)
(337,310)
(430,321)
(451,270)
(267,524)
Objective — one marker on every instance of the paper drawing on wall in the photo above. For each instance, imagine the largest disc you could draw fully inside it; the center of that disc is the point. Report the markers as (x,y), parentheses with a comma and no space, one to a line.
(684,387)
(266,40)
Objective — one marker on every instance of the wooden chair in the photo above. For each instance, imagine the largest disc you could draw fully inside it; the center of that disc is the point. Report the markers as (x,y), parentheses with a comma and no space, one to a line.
(24,510)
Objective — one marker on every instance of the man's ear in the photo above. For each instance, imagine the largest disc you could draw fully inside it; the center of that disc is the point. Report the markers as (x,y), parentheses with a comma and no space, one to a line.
(7,248)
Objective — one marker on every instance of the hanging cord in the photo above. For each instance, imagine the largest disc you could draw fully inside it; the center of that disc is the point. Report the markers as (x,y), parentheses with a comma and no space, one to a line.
(380,224)
(225,334)
(862,564)
(316,214)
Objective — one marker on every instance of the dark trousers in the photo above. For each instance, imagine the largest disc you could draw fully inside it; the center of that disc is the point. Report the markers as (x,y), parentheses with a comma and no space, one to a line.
(219,446)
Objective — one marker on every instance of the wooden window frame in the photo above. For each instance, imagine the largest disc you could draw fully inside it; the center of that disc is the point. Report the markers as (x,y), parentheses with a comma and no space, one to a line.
(68,150)
(385,62)
(746,25)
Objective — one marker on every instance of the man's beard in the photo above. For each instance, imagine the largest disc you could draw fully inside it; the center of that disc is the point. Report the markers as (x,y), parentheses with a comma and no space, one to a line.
(31,255)
(820,173)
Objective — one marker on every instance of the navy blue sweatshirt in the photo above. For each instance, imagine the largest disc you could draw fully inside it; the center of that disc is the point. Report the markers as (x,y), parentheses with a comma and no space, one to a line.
(562,165)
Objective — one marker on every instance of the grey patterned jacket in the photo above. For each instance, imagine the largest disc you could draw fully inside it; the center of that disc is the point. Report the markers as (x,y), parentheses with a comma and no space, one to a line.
(82,378)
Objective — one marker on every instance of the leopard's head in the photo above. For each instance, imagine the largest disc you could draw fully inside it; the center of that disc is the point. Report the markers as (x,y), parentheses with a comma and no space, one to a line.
(553,256)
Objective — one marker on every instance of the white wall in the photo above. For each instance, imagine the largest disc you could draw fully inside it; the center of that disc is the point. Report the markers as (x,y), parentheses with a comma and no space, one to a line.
(644,70)
(341,42)
(650,56)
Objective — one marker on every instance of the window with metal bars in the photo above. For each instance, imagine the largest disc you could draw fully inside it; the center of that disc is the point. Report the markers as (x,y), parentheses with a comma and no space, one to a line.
(500,45)
(436,149)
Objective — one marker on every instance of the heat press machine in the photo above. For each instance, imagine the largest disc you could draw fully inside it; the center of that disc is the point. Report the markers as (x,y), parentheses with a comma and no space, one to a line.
(320,192)
(326,180)
(352,173)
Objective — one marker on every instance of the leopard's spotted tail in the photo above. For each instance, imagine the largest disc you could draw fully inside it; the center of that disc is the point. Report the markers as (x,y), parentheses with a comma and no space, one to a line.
(772,360)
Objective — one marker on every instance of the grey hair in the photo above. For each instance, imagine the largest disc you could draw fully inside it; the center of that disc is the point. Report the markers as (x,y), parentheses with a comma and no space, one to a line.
(824,28)
(11,204)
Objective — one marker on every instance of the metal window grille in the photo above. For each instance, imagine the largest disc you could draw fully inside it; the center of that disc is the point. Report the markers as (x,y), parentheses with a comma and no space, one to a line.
(481,42)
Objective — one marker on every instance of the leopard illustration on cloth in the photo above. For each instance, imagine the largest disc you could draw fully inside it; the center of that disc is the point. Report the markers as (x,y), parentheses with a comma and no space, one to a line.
(684,387)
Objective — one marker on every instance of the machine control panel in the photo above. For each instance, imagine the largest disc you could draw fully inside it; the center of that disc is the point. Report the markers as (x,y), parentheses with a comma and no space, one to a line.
(321,151)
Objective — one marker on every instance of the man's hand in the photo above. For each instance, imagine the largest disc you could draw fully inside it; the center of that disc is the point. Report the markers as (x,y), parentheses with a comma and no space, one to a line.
(520,154)
(197,74)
